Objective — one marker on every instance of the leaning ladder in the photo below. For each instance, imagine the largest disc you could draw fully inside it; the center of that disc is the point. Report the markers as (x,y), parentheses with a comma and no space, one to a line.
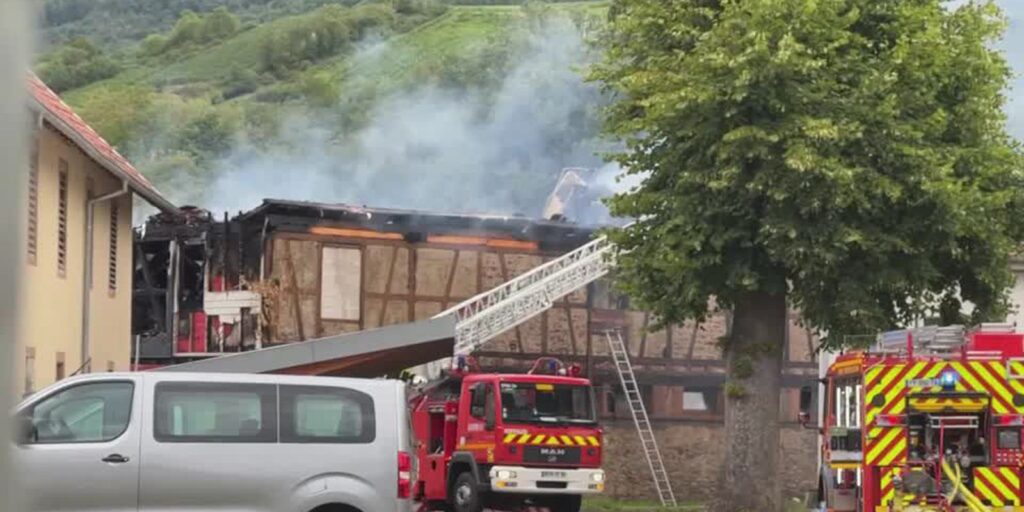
(643,424)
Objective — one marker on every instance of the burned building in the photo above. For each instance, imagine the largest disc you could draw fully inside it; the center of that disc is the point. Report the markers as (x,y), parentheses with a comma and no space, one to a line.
(290,271)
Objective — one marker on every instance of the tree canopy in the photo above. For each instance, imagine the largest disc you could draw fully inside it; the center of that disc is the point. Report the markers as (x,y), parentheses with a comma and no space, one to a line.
(845,158)
(849,153)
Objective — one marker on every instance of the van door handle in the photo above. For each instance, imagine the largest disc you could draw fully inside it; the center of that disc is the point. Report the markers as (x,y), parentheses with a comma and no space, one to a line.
(115,458)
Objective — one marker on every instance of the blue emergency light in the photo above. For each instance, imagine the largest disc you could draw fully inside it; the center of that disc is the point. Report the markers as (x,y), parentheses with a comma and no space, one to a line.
(949,380)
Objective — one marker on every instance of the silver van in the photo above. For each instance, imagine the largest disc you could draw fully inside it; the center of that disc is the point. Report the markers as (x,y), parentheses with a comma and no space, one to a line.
(215,442)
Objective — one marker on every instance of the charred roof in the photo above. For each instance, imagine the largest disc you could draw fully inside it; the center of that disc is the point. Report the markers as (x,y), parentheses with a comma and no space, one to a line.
(414,224)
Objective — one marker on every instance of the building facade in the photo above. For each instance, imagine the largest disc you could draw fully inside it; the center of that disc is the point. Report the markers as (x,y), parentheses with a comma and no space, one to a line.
(322,270)
(75,307)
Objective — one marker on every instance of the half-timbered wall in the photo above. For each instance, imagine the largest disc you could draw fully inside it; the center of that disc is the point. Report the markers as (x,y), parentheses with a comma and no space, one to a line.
(401,282)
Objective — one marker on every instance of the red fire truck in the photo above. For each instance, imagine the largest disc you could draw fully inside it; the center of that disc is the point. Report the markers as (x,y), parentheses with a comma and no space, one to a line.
(506,441)
(929,419)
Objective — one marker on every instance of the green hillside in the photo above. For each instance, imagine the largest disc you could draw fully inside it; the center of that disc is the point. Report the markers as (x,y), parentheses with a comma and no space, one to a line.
(308,87)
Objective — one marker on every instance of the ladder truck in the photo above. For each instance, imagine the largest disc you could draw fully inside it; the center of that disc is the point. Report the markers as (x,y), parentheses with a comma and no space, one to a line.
(928,419)
(506,441)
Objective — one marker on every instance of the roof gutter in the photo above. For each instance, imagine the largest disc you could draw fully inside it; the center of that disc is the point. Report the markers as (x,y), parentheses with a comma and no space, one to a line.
(90,210)
(151,196)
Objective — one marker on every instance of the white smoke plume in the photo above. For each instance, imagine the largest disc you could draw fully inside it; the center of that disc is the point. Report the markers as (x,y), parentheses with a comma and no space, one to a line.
(437,149)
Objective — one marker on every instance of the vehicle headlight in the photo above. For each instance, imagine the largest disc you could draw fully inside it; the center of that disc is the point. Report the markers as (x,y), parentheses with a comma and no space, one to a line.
(504,474)
(597,477)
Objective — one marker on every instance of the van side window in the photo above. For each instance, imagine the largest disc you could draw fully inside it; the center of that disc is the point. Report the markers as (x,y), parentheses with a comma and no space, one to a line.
(212,412)
(88,413)
(322,414)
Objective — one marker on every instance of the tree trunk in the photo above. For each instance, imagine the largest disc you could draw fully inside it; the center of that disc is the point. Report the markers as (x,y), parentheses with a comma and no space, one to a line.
(754,357)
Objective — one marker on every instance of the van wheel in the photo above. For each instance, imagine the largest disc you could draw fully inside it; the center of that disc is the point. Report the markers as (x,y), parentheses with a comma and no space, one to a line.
(565,503)
(466,494)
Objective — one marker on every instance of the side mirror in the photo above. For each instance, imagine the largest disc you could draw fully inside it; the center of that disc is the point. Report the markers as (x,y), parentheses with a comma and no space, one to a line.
(24,430)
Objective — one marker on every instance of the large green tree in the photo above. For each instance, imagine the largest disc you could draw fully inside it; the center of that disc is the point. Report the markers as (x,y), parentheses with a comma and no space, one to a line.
(845,158)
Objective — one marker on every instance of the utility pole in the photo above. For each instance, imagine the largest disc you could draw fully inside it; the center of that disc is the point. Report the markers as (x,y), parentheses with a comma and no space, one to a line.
(14,122)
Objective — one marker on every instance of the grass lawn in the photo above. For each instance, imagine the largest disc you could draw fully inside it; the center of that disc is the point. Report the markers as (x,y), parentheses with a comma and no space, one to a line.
(610,505)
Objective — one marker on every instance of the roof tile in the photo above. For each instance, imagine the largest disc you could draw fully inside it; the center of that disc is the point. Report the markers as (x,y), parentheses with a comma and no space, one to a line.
(52,103)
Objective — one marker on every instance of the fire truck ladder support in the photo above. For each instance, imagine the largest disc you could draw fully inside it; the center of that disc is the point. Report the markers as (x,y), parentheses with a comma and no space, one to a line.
(643,424)
(481,318)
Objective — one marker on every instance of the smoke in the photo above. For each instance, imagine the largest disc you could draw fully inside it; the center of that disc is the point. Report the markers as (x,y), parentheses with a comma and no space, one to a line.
(436,148)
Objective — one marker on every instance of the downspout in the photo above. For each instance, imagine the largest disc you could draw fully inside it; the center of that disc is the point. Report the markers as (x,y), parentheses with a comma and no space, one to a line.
(87,281)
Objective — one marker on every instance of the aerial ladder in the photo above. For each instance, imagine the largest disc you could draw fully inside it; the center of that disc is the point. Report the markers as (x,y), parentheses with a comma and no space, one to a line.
(487,315)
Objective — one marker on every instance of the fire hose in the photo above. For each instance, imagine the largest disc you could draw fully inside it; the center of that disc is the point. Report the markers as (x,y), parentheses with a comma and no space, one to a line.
(973,502)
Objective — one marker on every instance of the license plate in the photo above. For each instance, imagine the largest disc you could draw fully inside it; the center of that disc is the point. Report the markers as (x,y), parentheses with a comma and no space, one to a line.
(551,455)
(554,474)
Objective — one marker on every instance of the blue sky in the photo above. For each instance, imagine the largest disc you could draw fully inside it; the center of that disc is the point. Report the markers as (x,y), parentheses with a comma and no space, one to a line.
(1013,45)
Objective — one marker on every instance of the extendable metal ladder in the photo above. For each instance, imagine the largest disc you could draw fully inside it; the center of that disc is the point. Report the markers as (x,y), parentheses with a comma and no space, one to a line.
(481,318)
(643,424)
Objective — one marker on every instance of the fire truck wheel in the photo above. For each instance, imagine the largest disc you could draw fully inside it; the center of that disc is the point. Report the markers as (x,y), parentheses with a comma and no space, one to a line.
(466,494)
(567,503)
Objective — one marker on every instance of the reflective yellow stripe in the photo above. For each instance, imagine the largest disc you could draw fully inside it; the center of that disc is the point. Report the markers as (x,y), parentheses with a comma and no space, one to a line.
(879,448)
(981,485)
(896,452)
(579,440)
(593,441)
(538,439)
(565,440)
(509,438)
(523,439)
(552,440)
(1011,476)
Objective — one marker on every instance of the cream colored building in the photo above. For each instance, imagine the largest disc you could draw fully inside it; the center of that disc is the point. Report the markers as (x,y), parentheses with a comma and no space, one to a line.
(71,321)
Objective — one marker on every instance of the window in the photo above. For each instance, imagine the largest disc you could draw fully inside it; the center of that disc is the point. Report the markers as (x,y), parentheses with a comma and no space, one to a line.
(845,407)
(320,414)
(62,220)
(204,412)
(530,402)
(1008,439)
(478,400)
(112,249)
(87,413)
(696,399)
(340,278)
(610,399)
(33,203)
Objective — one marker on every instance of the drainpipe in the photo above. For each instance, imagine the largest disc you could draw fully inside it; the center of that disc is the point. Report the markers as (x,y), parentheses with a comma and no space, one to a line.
(87,281)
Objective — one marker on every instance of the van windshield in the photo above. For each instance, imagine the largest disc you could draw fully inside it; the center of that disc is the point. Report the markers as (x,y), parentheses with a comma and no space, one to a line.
(530,402)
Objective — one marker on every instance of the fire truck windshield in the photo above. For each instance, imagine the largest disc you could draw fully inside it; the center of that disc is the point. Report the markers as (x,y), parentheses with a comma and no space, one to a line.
(523,402)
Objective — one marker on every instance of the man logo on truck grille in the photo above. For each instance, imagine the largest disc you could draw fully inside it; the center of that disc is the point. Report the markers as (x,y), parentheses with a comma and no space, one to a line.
(551,454)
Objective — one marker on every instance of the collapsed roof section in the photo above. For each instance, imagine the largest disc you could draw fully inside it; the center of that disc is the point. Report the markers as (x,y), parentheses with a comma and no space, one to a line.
(413,225)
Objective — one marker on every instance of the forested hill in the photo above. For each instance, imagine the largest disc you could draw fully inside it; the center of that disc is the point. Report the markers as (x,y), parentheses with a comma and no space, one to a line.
(466,105)
(401,103)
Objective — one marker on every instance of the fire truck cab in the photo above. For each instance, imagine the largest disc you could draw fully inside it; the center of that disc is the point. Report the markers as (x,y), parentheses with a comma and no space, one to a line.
(507,441)
(928,419)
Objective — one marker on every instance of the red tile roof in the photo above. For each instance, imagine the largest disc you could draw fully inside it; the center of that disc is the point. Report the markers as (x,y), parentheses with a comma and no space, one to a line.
(72,126)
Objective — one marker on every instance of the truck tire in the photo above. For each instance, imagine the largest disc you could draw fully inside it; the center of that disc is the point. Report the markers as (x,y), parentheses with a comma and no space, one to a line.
(564,503)
(466,494)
